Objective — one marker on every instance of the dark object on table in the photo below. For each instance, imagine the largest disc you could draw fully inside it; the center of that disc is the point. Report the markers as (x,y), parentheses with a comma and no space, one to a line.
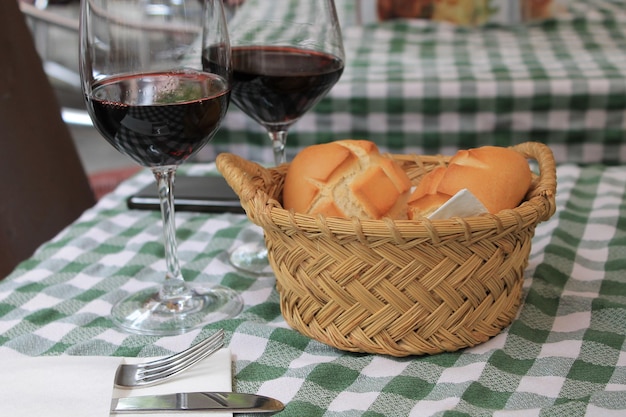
(202,194)
(43,186)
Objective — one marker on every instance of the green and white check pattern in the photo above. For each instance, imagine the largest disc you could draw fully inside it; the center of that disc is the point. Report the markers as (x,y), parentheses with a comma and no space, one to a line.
(565,355)
(427,87)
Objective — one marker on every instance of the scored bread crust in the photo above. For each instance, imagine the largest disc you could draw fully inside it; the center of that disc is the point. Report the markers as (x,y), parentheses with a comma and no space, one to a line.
(346,178)
(497,176)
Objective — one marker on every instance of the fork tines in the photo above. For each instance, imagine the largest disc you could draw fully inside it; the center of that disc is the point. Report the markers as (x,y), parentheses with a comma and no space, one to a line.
(171,365)
(149,373)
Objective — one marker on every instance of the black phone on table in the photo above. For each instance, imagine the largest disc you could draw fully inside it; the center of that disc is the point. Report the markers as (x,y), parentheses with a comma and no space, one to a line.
(191,193)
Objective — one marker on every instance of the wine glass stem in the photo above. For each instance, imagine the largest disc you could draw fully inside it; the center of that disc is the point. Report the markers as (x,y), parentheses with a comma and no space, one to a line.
(174,283)
(279,140)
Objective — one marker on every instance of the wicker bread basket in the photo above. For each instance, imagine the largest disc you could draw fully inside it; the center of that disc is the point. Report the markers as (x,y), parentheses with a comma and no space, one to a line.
(400,288)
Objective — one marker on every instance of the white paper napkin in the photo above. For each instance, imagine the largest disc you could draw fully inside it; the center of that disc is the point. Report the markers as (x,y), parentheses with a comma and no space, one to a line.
(56,386)
(82,386)
(462,204)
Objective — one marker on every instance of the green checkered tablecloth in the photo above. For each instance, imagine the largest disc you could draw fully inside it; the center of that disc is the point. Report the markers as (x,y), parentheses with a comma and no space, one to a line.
(565,355)
(427,87)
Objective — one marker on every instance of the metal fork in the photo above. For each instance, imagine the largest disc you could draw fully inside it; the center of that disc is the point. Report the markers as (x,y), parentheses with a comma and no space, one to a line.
(159,370)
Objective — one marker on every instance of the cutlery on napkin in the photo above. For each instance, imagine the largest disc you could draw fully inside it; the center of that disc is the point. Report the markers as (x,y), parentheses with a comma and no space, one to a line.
(211,374)
(82,386)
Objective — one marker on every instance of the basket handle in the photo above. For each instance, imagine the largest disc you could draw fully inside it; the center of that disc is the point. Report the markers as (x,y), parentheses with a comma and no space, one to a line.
(245,177)
(545,184)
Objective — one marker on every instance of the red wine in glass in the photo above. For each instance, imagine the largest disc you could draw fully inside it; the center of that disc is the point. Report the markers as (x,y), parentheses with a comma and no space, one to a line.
(159,119)
(276,85)
(149,96)
(286,55)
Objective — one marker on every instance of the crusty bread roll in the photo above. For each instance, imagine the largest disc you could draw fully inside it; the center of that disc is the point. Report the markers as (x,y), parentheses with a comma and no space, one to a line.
(346,178)
(499,177)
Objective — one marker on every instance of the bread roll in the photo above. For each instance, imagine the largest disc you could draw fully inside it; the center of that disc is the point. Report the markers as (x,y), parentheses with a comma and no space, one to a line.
(499,177)
(346,178)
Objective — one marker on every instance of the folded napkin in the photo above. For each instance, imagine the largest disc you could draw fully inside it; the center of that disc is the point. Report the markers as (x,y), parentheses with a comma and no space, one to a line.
(82,386)
(462,204)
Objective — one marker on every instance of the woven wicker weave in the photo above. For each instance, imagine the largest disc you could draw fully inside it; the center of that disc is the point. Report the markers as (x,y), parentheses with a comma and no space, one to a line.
(401,288)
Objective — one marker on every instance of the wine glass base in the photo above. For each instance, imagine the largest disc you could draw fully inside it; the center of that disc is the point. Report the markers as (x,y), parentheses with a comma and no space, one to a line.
(252,258)
(146,313)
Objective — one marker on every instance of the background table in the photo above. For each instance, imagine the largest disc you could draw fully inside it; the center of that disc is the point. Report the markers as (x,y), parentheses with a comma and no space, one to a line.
(564,355)
(428,87)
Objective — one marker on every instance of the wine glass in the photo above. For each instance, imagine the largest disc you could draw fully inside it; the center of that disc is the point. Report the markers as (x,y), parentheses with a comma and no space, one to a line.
(287,55)
(141,65)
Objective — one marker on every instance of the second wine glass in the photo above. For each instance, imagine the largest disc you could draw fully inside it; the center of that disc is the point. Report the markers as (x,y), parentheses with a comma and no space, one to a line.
(287,55)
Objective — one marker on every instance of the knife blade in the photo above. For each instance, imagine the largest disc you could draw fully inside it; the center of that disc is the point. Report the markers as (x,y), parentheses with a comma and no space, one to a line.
(232,402)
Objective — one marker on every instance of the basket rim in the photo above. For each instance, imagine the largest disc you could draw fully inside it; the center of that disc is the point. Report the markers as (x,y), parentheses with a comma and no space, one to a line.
(252,183)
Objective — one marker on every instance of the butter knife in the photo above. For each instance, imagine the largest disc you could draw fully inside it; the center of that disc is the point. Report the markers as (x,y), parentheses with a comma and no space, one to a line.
(232,402)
